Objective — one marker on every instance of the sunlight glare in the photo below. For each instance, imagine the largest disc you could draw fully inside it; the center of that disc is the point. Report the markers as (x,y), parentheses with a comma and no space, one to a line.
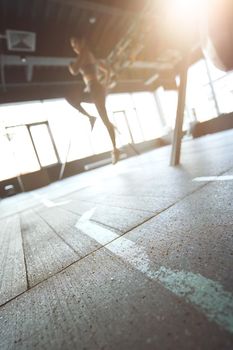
(187,8)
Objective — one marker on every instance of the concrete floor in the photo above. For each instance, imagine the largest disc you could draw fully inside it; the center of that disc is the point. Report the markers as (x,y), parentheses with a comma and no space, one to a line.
(133,256)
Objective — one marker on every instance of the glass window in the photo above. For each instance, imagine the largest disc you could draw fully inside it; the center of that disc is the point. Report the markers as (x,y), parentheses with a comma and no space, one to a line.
(80,139)
(199,96)
(168,100)
(100,138)
(71,130)
(8,166)
(135,125)
(215,73)
(224,91)
(22,113)
(23,153)
(43,144)
(148,115)
(123,133)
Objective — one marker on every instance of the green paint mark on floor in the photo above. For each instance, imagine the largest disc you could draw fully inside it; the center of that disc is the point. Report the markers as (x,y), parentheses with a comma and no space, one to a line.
(208,295)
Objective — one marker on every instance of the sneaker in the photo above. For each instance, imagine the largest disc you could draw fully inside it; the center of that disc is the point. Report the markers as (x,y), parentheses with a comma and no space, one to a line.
(115,156)
(92,121)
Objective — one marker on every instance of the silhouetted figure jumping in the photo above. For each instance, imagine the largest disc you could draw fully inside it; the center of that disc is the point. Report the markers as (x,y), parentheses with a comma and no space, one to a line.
(95,92)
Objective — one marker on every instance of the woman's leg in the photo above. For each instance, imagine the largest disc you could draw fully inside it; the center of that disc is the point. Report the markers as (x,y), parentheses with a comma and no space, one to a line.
(75,101)
(98,95)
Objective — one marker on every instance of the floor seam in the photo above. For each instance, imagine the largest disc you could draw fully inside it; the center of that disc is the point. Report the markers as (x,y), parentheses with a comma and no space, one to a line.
(53,229)
(103,246)
(24,255)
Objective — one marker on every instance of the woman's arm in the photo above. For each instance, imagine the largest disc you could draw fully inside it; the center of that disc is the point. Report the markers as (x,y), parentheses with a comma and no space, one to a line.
(105,69)
(74,67)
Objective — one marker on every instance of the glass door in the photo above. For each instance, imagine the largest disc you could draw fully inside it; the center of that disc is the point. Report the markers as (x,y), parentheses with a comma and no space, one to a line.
(25,149)
(22,151)
(123,130)
(44,144)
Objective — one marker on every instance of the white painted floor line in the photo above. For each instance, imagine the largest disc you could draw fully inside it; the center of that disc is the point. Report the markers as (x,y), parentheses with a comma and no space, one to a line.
(48,203)
(214,178)
(206,294)
(93,230)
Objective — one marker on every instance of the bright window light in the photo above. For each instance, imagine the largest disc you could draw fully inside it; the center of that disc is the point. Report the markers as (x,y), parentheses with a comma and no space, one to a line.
(185,9)
(181,19)
(43,144)
(22,150)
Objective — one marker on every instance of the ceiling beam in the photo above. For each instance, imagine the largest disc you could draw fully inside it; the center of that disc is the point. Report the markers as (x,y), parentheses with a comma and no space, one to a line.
(123,81)
(151,65)
(24,60)
(152,79)
(43,61)
(93,6)
(41,84)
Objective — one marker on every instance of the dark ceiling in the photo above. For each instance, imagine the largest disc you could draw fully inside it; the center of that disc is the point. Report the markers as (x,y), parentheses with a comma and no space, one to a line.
(142,40)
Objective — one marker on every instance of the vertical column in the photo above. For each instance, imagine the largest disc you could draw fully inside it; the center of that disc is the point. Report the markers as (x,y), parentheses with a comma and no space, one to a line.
(177,135)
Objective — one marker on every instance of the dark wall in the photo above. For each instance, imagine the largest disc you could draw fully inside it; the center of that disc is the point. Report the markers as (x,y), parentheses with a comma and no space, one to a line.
(221,123)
